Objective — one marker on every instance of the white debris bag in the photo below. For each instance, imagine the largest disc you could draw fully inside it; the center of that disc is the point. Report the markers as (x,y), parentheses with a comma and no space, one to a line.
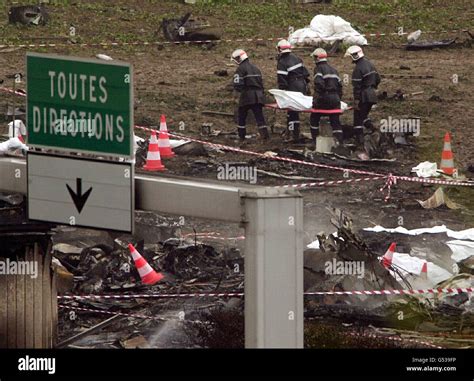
(327,29)
(295,100)
(426,169)
(104,57)
(12,144)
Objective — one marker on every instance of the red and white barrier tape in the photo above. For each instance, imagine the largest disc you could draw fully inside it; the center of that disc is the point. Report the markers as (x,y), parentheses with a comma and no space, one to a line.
(212,235)
(220,238)
(239,294)
(239,150)
(391,179)
(394,338)
(331,182)
(109,312)
(157,43)
(396,292)
(434,181)
(19,92)
(151,296)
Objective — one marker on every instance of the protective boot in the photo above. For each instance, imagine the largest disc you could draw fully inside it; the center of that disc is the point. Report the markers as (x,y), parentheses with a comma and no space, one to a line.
(314,132)
(295,132)
(242,132)
(314,136)
(263,131)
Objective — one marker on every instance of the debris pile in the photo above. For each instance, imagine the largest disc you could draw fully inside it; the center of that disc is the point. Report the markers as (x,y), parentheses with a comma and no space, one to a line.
(198,262)
(142,322)
(28,15)
(344,262)
(187,29)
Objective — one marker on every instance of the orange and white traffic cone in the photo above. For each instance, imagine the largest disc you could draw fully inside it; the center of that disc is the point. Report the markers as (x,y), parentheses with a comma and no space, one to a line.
(146,272)
(164,140)
(387,258)
(447,161)
(424,271)
(153,158)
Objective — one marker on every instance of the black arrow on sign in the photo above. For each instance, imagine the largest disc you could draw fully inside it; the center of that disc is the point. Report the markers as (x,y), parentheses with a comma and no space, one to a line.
(78,198)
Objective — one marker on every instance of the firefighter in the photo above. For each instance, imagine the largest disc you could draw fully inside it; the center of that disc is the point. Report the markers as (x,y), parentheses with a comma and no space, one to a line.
(292,76)
(365,80)
(327,94)
(249,83)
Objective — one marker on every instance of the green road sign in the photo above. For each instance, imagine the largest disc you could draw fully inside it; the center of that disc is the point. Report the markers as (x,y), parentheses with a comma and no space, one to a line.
(79,105)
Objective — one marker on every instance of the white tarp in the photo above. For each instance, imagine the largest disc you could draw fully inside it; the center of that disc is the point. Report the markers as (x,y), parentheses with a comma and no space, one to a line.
(327,28)
(467,234)
(295,100)
(461,249)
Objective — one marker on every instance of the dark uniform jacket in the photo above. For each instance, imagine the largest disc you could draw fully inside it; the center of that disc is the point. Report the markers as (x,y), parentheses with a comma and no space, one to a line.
(327,87)
(365,80)
(292,75)
(249,83)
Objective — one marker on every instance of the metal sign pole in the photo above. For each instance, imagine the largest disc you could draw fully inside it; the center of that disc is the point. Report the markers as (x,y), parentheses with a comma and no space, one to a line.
(273,270)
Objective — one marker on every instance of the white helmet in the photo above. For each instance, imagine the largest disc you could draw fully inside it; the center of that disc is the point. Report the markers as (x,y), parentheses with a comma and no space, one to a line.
(239,56)
(283,46)
(355,52)
(319,55)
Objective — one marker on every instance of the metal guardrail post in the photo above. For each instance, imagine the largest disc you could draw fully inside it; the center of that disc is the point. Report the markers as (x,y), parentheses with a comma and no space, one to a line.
(273,269)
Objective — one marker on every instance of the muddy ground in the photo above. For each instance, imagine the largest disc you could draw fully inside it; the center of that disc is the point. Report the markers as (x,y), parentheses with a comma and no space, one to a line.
(180,82)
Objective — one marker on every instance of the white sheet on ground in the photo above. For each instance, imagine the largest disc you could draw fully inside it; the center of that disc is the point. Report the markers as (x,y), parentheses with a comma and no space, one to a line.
(327,28)
(313,245)
(413,265)
(461,249)
(467,234)
(295,100)
(11,145)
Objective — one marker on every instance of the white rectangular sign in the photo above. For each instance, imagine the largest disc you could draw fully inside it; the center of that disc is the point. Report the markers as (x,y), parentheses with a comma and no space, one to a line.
(81,192)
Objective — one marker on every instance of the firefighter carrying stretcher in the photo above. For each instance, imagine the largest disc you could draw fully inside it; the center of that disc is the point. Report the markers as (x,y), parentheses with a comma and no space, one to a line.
(292,76)
(327,95)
